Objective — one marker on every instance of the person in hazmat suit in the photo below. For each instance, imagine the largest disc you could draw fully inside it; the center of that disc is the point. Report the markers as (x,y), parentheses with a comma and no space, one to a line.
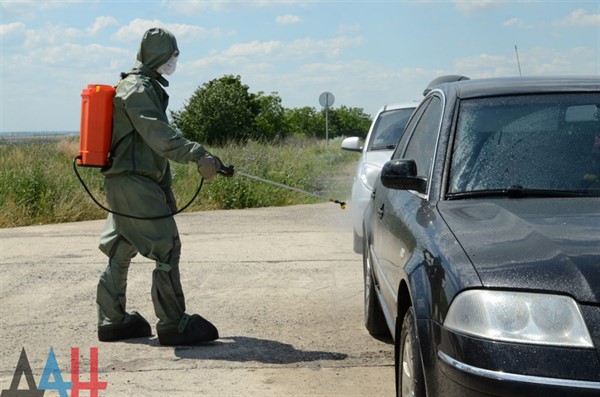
(138,182)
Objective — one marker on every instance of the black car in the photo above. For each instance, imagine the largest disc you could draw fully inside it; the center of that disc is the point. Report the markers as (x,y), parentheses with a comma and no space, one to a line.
(482,241)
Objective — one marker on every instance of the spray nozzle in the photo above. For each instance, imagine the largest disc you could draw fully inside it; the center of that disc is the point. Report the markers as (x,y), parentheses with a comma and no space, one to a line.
(226,170)
(341,203)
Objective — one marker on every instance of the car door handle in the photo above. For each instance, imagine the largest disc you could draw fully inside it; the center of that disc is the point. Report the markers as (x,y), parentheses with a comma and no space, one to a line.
(380,211)
(373,194)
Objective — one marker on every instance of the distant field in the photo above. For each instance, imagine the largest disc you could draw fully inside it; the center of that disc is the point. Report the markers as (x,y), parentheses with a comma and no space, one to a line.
(19,138)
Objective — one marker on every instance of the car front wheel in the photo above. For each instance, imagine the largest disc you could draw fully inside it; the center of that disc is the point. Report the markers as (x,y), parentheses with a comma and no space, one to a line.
(409,372)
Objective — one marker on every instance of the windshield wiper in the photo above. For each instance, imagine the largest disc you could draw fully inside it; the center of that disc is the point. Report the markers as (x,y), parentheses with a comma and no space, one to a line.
(384,147)
(518,191)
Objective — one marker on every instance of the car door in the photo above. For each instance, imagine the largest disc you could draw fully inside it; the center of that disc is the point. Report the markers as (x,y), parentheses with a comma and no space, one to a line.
(399,210)
(379,195)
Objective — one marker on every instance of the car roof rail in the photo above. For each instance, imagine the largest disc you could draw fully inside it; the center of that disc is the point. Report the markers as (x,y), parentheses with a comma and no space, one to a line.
(449,78)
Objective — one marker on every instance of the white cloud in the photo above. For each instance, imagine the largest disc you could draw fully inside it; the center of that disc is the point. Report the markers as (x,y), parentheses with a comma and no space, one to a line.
(136,29)
(580,17)
(468,7)
(194,7)
(20,6)
(329,48)
(513,22)
(274,51)
(10,29)
(238,54)
(486,65)
(252,48)
(287,19)
(101,23)
(45,58)
(574,61)
(51,34)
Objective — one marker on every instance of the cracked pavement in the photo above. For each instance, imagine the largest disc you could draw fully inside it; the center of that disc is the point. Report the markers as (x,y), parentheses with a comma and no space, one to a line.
(282,285)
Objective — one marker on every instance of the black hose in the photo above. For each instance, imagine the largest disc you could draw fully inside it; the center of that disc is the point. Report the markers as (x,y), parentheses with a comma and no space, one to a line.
(128,215)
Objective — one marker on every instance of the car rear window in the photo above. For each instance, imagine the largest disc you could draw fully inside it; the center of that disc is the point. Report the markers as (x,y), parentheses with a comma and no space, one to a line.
(549,142)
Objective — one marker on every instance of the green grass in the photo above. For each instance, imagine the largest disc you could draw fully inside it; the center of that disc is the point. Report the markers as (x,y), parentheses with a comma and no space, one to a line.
(40,187)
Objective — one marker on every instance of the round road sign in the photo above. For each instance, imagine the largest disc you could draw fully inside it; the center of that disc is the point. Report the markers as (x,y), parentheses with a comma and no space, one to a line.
(326,99)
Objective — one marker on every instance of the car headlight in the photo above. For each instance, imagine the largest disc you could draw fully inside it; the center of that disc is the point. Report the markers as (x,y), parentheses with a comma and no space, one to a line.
(368,175)
(519,317)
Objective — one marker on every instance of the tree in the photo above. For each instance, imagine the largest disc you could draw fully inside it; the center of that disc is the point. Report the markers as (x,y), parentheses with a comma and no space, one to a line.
(270,122)
(221,110)
(305,121)
(346,121)
(343,121)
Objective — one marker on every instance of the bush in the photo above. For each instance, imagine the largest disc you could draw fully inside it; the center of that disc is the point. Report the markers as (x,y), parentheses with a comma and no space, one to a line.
(220,111)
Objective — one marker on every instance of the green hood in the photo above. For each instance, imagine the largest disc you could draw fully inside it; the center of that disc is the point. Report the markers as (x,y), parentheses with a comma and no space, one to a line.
(156,48)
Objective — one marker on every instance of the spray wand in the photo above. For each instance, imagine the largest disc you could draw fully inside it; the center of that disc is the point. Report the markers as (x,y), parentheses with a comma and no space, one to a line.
(230,170)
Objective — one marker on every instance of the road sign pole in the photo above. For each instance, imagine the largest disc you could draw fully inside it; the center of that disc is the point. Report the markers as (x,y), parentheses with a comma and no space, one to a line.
(327,125)
(326,100)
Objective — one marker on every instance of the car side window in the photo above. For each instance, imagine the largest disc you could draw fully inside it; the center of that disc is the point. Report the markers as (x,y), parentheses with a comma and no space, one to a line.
(408,131)
(421,146)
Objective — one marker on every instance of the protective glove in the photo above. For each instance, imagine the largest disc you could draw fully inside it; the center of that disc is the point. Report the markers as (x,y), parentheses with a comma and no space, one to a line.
(209,165)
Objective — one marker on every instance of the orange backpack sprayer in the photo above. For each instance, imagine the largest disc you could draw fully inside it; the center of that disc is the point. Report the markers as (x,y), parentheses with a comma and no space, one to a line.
(96,125)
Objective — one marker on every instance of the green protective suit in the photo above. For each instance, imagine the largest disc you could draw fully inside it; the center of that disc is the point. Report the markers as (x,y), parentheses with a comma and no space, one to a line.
(139,183)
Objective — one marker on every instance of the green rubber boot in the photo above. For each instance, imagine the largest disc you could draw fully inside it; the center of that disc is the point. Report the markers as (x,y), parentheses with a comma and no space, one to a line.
(135,326)
(191,330)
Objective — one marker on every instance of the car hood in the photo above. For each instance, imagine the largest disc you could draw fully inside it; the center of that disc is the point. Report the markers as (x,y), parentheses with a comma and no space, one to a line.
(550,244)
(378,157)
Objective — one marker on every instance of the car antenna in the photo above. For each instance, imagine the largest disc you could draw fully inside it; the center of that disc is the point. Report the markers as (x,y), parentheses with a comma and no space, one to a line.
(518,62)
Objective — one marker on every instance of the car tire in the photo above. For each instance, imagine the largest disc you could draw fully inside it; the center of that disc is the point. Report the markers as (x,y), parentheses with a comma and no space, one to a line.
(374,318)
(409,371)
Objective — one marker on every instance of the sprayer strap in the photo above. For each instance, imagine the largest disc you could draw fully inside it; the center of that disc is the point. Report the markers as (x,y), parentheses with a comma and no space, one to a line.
(125,74)
(113,150)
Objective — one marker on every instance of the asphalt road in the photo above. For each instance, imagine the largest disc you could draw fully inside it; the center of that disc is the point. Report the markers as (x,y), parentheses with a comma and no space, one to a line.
(282,285)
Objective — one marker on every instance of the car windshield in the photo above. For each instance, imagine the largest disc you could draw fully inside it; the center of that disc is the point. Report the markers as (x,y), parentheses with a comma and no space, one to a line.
(530,145)
(389,128)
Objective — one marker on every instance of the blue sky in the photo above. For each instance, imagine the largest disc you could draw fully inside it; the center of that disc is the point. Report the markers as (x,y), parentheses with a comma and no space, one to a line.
(367,53)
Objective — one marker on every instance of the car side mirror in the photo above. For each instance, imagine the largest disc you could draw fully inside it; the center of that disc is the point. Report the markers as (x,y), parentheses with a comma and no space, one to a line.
(352,144)
(402,175)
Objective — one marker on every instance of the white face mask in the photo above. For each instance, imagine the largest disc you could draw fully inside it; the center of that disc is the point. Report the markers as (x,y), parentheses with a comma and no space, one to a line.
(169,67)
